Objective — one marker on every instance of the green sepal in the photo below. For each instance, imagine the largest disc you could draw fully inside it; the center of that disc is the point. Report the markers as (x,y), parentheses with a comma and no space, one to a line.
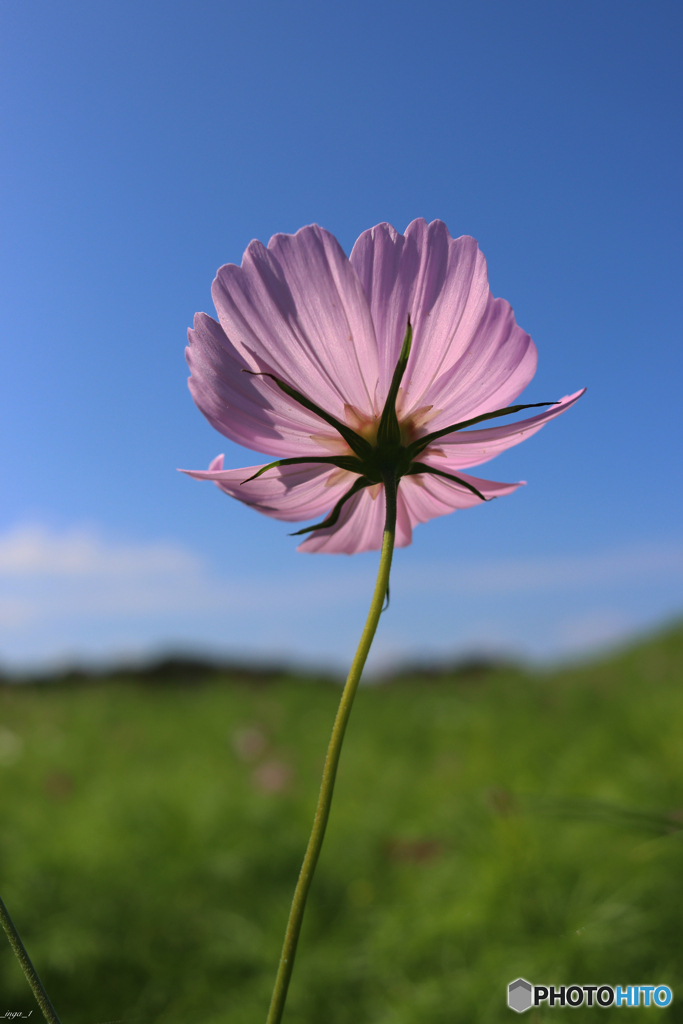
(389,431)
(421,467)
(347,462)
(358,485)
(355,442)
(419,446)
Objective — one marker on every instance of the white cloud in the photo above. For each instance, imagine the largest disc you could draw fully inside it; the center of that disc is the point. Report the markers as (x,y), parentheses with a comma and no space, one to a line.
(600,628)
(34,551)
(15,611)
(73,592)
(47,573)
(588,571)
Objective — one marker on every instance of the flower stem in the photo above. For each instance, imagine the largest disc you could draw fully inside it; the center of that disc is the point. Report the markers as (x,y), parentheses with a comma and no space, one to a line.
(322,811)
(27,967)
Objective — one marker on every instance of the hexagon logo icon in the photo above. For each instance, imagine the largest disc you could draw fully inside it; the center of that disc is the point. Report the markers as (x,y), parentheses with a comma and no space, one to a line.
(519,995)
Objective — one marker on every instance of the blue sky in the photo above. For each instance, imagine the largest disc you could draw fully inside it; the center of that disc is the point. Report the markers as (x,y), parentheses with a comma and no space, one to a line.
(147,144)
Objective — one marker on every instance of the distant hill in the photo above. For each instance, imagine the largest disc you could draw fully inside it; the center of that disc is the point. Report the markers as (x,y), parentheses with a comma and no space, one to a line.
(189,669)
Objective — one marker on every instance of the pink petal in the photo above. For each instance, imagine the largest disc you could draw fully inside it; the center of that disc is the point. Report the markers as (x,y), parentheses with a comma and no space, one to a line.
(472,447)
(361,524)
(292,493)
(468,355)
(496,367)
(298,310)
(427,496)
(360,527)
(249,410)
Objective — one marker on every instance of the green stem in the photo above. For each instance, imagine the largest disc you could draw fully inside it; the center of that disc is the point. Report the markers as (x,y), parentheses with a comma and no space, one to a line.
(322,811)
(28,968)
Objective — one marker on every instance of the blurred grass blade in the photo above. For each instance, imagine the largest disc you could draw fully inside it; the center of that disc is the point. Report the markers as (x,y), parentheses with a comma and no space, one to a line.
(29,970)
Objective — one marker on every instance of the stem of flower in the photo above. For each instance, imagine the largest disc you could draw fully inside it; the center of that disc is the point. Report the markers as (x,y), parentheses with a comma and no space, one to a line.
(27,967)
(322,812)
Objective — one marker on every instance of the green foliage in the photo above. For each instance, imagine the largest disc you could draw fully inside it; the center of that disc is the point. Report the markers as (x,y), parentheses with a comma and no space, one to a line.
(483,828)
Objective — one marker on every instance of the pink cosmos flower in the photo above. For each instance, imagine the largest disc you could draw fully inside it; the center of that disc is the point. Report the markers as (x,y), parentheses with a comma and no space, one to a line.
(339,367)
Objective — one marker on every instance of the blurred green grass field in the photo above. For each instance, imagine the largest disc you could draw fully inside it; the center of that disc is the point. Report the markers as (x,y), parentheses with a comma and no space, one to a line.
(485,826)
